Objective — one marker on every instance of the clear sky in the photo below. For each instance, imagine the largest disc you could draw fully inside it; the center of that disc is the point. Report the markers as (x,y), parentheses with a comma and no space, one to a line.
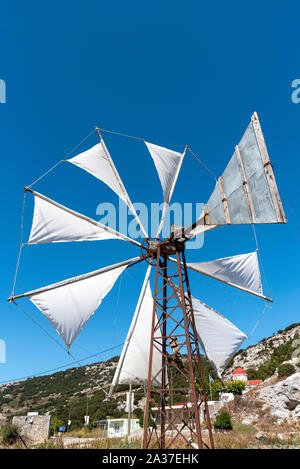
(180,72)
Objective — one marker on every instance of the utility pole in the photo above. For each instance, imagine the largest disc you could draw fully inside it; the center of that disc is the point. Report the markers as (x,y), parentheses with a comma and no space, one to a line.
(129,408)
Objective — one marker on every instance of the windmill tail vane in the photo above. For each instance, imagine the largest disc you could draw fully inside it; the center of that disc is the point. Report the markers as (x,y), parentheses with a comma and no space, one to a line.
(169,327)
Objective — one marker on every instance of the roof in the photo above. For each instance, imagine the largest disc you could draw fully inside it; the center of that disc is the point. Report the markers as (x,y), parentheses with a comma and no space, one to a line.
(239,371)
(253,382)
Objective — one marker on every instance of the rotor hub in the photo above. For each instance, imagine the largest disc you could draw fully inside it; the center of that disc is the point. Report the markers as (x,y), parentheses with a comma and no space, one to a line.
(168,247)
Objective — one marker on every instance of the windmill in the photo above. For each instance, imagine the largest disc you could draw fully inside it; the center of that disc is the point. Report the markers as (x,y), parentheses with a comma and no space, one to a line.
(169,326)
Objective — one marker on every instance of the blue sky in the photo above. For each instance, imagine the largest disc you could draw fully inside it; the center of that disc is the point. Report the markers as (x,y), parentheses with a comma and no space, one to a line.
(185,73)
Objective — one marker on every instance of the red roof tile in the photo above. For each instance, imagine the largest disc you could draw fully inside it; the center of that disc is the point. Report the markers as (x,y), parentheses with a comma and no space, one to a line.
(239,371)
(253,382)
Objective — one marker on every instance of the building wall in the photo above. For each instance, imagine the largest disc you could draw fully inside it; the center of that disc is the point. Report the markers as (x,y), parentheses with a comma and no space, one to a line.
(34,428)
(239,377)
(123,427)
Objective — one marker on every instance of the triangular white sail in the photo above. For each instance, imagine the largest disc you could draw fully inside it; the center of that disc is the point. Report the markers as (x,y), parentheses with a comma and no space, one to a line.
(168,164)
(219,338)
(241,270)
(70,305)
(53,223)
(96,162)
(134,360)
(246,193)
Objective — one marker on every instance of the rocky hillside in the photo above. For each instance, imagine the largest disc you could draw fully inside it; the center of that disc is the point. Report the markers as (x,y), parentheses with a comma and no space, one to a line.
(265,357)
(271,406)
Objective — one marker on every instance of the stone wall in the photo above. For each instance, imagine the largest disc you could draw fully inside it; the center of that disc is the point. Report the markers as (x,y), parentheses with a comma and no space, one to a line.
(35,428)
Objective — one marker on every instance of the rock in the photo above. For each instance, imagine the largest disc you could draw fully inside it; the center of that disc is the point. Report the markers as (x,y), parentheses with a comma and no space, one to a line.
(247,421)
(283,398)
(250,419)
(260,436)
(279,414)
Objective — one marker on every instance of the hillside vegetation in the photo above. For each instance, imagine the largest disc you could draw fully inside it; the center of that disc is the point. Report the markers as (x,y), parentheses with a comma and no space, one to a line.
(78,391)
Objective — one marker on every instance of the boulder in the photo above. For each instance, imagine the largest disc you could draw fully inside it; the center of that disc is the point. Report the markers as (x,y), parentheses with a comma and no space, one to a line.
(283,398)
(260,436)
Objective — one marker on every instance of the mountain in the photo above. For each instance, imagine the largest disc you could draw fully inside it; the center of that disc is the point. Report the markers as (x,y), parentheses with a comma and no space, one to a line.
(78,391)
(65,393)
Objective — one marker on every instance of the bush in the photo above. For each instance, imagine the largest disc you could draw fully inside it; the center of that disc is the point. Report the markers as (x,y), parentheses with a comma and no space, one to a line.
(236,386)
(139,414)
(223,421)
(9,434)
(252,373)
(285,370)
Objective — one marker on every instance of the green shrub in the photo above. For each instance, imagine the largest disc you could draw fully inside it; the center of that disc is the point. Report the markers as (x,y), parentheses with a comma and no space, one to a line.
(252,373)
(215,387)
(285,370)
(9,434)
(236,386)
(223,421)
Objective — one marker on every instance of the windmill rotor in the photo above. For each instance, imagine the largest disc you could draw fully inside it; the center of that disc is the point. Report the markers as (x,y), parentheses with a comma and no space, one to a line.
(169,327)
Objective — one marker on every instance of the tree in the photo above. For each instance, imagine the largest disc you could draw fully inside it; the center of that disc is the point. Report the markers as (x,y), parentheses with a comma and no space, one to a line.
(285,370)
(223,421)
(139,414)
(55,424)
(236,386)
(216,387)
(252,373)
(9,434)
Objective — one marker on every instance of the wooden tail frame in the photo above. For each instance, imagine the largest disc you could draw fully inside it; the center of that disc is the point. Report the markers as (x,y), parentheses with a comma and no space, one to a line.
(181,376)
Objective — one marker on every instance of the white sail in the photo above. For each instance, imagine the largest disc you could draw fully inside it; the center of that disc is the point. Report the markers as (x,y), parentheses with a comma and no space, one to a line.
(246,193)
(241,270)
(134,361)
(168,164)
(96,162)
(219,338)
(53,223)
(70,305)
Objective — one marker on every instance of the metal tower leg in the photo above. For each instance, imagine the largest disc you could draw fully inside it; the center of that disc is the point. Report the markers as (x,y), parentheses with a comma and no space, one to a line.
(180,378)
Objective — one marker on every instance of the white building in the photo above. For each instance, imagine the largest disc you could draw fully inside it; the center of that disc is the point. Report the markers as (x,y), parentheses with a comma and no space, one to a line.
(118,428)
(240,375)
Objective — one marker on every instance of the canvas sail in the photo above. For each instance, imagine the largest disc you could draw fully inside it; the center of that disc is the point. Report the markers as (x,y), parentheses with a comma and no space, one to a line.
(134,361)
(53,223)
(218,337)
(69,304)
(168,164)
(96,162)
(241,270)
